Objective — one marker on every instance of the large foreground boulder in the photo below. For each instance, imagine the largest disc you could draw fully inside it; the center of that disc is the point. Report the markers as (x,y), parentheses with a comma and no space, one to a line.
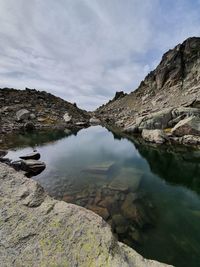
(37,230)
(188,126)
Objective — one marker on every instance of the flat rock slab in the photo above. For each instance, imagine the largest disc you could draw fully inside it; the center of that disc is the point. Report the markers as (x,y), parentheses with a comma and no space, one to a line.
(102,168)
(128,178)
(37,230)
(34,155)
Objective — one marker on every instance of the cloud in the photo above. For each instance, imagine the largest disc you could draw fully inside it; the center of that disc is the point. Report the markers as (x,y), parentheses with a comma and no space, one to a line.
(85,50)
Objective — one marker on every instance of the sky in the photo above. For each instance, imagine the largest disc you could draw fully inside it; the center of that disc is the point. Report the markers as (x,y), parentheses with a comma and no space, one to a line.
(86,50)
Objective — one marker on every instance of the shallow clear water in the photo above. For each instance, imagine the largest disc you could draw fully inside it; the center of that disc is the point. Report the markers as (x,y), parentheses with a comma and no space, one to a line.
(150,196)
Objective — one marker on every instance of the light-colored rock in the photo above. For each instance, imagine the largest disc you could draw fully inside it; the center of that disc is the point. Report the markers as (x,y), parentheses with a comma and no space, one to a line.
(156,120)
(37,230)
(154,136)
(127,178)
(67,117)
(22,114)
(94,121)
(190,140)
(188,126)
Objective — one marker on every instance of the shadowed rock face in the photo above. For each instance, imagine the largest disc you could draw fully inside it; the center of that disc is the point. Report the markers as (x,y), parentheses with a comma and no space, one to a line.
(37,230)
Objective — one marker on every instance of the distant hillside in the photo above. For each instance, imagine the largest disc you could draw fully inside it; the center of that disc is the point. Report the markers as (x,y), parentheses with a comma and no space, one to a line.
(31,109)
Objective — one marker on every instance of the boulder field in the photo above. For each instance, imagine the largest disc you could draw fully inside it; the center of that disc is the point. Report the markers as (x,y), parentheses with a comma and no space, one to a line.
(37,230)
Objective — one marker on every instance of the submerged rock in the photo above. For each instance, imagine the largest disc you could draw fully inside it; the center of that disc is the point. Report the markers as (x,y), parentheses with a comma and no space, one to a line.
(127,178)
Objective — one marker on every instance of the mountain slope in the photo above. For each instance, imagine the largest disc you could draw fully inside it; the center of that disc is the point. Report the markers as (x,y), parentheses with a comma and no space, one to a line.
(32,109)
(175,83)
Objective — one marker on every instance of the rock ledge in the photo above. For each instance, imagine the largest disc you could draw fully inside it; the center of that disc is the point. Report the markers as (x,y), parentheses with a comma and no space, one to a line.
(37,230)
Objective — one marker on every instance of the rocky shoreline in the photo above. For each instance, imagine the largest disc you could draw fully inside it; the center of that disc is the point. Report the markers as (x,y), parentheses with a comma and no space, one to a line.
(37,230)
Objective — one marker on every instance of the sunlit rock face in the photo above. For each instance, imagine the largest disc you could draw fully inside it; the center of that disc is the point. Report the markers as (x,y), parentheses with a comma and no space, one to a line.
(40,230)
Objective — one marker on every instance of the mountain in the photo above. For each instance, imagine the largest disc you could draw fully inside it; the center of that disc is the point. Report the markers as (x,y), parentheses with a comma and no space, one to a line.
(167,95)
(31,109)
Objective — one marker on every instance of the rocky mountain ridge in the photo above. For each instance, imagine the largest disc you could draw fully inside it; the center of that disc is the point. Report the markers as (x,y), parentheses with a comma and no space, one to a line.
(31,109)
(167,95)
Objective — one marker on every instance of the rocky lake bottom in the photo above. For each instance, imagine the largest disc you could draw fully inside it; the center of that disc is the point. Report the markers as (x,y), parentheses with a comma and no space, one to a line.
(149,195)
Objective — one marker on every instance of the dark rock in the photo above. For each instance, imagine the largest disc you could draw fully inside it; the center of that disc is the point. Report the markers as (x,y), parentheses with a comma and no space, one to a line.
(29,126)
(3,153)
(34,155)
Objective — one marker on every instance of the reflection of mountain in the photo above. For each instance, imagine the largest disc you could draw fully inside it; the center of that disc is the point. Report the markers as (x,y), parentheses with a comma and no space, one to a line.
(175,166)
(35,138)
(179,165)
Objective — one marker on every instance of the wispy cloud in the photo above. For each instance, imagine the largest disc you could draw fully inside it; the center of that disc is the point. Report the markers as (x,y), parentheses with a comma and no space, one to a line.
(85,50)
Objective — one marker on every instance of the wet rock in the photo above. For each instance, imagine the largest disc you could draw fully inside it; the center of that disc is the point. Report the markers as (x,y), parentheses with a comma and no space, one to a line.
(68,198)
(135,235)
(34,155)
(103,212)
(32,167)
(22,114)
(188,126)
(154,136)
(102,168)
(107,201)
(119,220)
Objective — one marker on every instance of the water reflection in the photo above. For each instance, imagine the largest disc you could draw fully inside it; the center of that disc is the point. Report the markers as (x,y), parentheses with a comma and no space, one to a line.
(148,195)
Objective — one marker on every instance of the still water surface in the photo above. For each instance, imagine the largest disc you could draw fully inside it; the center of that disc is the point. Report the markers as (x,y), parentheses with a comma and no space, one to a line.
(149,196)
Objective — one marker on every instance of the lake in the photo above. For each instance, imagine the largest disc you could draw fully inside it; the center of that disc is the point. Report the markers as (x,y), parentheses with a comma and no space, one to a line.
(149,195)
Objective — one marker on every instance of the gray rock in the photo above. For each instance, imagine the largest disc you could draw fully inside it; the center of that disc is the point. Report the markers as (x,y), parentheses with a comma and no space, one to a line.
(67,117)
(32,166)
(34,155)
(188,126)
(154,136)
(22,114)
(37,230)
(190,140)
(29,126)
(94,121)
